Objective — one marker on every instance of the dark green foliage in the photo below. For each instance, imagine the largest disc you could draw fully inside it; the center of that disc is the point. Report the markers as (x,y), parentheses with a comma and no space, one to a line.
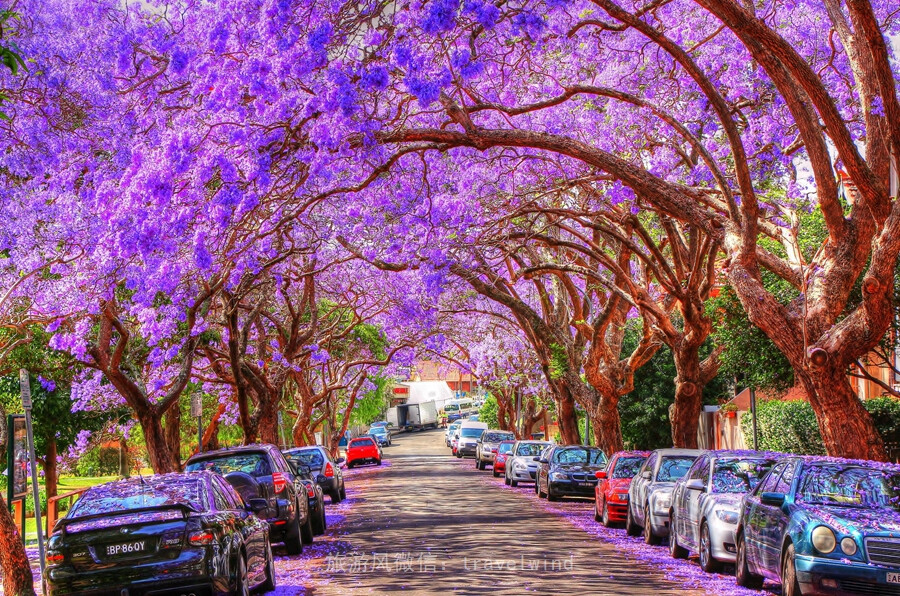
(790,426)
(98,461)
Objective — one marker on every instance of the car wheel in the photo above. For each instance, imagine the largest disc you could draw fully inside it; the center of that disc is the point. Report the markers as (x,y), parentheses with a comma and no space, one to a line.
(514,483)
(707,562)
(495,473)
(318,526)
(537,487)
(349,465)
(268,584)
(676,550)
(605,519)
(336,497)
(649,537)
(242,580)
(306,530)
(550,495)
(742,574)
(597,516)
(293,543)
(343,492)
(790,586)
(631,528)
(506,480)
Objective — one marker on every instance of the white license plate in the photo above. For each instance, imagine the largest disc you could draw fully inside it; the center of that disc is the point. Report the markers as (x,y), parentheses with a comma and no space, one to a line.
(585,484)
(893,578)
(125,548)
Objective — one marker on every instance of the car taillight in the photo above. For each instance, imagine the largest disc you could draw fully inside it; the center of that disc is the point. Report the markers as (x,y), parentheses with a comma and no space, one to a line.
(54,557)
(202,538)
(329,470)
(310,491)
(493,450)
(280,481)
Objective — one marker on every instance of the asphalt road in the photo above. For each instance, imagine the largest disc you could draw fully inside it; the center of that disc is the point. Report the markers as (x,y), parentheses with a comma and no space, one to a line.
(427,523)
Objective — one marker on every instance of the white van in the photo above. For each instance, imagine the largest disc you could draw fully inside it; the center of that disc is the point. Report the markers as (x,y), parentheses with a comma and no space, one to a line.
(469,434)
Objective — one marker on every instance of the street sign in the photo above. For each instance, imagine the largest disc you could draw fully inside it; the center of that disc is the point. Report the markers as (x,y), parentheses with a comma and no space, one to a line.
(196,405)
(16,458)
(25,392)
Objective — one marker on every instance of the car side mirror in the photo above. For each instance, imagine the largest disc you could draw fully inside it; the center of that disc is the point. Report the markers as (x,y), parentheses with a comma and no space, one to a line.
(601,475)
(537,459)
(774,499)
(339,460)
(257,505)
(646,475)
(695,484)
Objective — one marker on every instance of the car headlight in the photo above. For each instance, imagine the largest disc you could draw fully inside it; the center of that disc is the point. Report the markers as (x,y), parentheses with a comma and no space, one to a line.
(662,502)
(848,545)
(558,476)
(727,516)
(823,539)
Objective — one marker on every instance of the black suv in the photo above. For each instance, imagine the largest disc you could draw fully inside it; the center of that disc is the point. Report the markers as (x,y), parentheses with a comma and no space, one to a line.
(261,472)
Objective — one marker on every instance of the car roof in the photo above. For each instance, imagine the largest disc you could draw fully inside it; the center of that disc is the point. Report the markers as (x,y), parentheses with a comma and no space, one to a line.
(252,448)
(676,451)
(473,424)
(304,448)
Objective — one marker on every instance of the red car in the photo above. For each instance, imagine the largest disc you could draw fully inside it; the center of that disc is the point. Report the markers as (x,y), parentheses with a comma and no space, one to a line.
(611,493)
(363,450)
(503,451)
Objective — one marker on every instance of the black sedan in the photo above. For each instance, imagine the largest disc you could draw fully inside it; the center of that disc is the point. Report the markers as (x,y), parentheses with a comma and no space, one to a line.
(316,498)
(326,470)
(569,471)
(167,534)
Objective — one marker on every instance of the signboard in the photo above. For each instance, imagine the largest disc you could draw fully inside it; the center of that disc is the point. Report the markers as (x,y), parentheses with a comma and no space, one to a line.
(17,460)
(196,404)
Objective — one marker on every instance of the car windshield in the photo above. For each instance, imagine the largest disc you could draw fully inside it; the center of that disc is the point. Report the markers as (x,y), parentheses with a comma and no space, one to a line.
(312,458)
(362,443)
(851,486)
(529,449)
(579,455)
(674,467)
(471,432)
(152,491)
(255,464)
(739,475)
(505,448)
(490,437)
(627,467)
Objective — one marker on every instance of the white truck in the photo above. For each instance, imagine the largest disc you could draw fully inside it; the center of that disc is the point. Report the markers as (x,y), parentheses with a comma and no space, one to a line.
(414,416)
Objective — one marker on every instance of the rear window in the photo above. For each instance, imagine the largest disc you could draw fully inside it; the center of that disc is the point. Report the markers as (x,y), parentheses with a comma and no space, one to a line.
(579,455)
(152,491)
(505,448)
(673,468)
(361,443)
(255,464)
(471,432)
(533,449)
(495,437)
(312,458)
(627,467)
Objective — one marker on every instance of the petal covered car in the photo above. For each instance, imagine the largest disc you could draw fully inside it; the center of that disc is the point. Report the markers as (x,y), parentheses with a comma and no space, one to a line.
(650,492)
(569,471)
(520,464)
(172,534)
(706,504)
(504,449)
(822,526)
(327,471)
(611,493)
(487,446)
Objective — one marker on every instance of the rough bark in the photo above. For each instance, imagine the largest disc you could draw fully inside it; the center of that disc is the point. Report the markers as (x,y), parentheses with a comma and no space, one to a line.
(161,458)
(173,435)
(17,577)
(49,465)
(211,433)
(565,415)
(688,398)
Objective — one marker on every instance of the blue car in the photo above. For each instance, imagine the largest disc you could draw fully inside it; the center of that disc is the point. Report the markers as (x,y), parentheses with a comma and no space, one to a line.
(822,526)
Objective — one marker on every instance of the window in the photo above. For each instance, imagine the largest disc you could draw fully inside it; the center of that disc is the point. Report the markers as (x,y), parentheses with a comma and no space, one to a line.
(309,457)
(651,463)
(255,464)
(700,470)
(627,467)
(739,476)
(363,443)
(786,480)
(219,499)
(672,468)
(769,482)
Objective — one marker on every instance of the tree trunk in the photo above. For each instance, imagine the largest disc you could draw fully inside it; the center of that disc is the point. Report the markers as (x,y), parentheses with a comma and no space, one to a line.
(565,416)
(173,434)
(607,425)
(841,415)
(211,433)
(17,577)
(161,459)
(50,479)
(124,468)
(688,398)
(267,423)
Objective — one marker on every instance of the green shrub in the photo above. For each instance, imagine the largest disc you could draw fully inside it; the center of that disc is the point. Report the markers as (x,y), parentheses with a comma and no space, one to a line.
(489,412)
(791,427)
(98,461)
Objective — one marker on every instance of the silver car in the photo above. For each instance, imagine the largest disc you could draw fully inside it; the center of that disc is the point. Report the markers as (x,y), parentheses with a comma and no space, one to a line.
(706,504)
(487,446)
(451,430)
(650,493)
(520,465)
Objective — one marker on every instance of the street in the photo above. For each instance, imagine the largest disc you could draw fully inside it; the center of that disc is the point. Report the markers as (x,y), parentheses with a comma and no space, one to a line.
(429,523)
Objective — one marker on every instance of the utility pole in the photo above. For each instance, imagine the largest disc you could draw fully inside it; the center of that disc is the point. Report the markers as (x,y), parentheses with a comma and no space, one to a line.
(25,391)
(753,416)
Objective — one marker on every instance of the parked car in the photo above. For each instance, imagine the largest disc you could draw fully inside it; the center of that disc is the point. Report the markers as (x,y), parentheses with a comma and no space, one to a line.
(363,450)
(504,449)
(473,418)
(611,494)
(260,471)
(451,429)
(172,533)
(822,526)
(569,471)
(327,471)
(520,465)
(381,423)
(487,446)
(650,493)
(469,434)
(315,496)
(454,440)
(706,504)
(381,435)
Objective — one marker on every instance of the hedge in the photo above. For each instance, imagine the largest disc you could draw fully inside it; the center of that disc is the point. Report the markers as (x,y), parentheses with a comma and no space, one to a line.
(791,427)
